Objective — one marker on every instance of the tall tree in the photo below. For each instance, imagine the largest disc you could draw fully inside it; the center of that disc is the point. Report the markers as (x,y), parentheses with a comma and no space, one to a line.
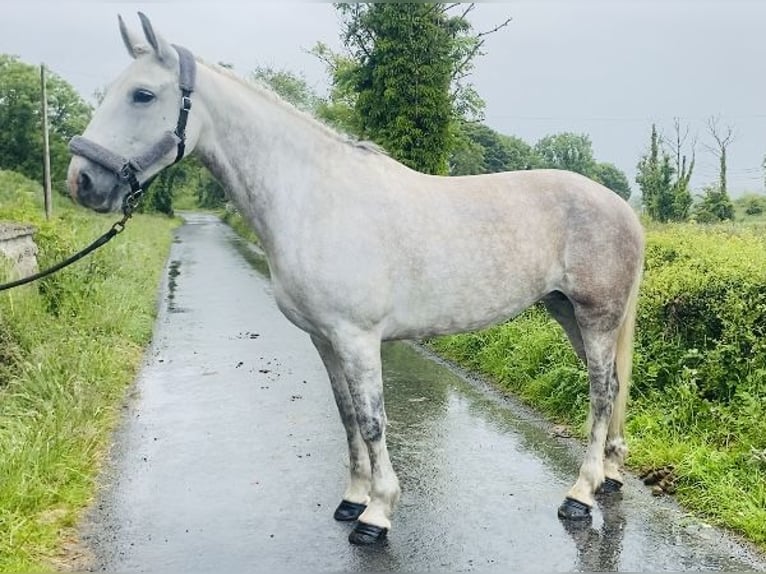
(723,137)
(404,84)
(21,145)
(655,178)
(684,167)
(406,70)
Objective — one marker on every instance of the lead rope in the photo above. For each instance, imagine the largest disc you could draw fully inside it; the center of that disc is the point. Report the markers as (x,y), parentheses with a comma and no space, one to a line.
(128,207)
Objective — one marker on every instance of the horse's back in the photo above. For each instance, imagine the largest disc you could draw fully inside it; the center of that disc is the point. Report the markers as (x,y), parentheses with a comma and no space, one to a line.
(474,250)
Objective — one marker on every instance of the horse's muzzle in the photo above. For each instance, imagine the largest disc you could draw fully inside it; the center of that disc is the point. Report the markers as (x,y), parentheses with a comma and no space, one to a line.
(93,187)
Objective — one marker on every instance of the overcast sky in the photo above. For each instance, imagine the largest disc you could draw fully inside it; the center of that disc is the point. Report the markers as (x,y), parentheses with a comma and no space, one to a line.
(605,68)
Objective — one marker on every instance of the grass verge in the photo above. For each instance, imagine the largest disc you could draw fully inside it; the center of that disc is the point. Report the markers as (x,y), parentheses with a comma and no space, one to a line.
(70,345)
(234,219)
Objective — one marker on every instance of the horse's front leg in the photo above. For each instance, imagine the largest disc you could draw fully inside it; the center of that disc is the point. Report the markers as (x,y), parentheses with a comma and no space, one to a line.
(356,495)
(359,354)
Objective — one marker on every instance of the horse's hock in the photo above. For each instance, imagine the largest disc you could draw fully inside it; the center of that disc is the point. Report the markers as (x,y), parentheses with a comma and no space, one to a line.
(17,245)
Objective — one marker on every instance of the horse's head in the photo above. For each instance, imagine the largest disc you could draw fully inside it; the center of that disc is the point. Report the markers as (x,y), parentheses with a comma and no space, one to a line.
(140,127)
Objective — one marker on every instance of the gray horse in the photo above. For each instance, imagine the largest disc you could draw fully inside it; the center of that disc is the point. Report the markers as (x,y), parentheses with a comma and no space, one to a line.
(363,249)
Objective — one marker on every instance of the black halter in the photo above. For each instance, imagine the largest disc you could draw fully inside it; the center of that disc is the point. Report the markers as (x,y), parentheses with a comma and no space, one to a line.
(128,169)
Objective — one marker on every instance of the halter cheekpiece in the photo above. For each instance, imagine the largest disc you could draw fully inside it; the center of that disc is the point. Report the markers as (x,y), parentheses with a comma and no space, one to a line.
(127,169)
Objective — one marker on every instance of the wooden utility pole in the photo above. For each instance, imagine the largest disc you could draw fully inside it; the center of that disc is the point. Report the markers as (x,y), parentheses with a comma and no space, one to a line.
(46,146)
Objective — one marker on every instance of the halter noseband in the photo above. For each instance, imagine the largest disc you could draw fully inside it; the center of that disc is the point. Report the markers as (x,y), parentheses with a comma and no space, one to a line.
(127,169)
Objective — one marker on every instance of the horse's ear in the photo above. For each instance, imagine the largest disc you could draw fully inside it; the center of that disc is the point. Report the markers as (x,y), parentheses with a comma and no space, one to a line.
(132,42)
(164,51)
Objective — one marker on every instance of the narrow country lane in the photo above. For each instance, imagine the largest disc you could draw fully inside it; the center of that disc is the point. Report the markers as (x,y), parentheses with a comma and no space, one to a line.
(231,456)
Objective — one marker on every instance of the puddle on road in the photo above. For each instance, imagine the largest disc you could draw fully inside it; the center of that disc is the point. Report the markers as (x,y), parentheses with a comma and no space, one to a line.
(174,271)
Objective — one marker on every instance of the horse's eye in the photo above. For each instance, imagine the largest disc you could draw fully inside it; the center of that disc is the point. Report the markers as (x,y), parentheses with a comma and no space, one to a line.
(142,96)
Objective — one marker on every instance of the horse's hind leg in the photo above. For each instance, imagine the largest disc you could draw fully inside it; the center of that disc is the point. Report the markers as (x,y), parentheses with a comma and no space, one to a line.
(615,450)
(599,333)
(561,309)
(356,496)
(359,354)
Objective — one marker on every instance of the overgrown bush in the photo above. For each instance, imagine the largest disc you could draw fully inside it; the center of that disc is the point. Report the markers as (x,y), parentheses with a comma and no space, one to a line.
(752,204)
(713,206)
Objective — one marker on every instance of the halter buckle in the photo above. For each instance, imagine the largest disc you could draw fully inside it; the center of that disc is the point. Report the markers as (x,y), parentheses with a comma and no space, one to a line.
(126,171)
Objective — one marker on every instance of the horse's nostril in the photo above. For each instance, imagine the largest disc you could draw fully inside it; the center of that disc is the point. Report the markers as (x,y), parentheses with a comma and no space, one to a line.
(84,182)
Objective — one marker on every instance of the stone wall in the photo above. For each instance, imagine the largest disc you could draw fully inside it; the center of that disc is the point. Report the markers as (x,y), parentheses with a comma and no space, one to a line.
(17,244)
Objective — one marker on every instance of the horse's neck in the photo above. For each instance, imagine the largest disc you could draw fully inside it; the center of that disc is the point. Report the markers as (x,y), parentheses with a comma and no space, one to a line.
(263,152)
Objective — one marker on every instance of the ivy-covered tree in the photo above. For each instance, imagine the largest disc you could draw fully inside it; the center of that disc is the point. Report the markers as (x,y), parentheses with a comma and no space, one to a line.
(21,140)
(684,167)
(403,83)
(404,77)
(339,108)
(655,178)
(723,138)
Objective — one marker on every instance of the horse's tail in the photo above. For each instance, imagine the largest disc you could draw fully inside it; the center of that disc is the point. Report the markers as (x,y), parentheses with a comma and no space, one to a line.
(624,357)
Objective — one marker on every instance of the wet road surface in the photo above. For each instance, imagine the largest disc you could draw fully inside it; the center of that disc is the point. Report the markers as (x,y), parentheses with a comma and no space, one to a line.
(231,456)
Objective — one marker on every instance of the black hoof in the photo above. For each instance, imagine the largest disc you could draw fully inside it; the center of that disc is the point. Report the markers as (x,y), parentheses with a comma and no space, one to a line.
(572,509)
(366,534)
(609,486)
(348,511)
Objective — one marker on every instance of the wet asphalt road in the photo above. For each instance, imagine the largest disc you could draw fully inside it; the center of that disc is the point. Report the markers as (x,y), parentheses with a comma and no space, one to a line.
(231,456)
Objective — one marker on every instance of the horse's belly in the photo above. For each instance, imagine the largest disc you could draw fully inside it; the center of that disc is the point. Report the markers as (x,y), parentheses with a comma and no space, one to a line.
(441,315)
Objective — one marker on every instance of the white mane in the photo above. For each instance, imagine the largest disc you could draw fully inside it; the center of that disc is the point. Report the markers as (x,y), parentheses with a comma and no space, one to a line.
(264,90)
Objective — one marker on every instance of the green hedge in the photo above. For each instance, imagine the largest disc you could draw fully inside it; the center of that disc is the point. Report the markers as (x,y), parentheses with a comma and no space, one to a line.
(698,398)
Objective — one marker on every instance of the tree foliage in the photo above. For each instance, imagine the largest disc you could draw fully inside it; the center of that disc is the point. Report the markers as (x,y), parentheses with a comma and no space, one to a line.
(664,189)
(574,152)
(339,108)
(566,150)
(612,177)
(291,87)
(723,138)
(402,81)
(752,204)
(480,149)
(21,140)
(188,178)
(714,206)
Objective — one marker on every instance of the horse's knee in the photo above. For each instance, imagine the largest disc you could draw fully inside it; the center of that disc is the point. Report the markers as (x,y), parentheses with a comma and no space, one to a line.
(371,425)
(371,418)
